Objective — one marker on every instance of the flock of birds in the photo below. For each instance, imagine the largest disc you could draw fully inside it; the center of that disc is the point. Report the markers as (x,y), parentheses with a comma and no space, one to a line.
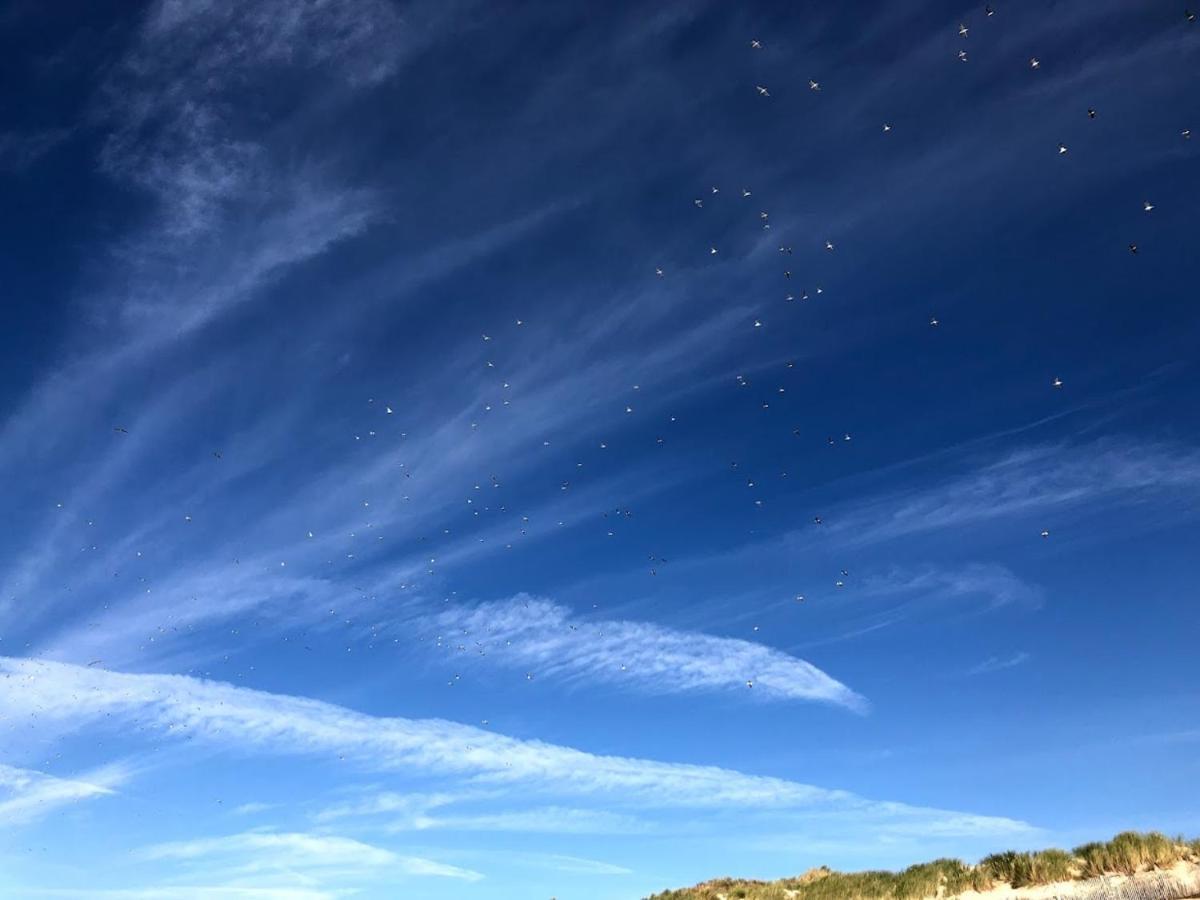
(793,293)
(786,250)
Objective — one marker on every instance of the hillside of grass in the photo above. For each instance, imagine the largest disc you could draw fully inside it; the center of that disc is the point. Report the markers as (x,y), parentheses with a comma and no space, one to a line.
(1129,853)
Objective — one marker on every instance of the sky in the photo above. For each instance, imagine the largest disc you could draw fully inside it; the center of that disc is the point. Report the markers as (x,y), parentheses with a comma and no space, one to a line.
(464,451)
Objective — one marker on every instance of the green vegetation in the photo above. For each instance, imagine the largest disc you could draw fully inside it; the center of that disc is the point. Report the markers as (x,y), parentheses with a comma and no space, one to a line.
(1023,869)
(1126,854)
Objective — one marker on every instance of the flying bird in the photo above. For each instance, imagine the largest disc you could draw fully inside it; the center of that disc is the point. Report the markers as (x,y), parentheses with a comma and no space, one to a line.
(762,91)
(813,85)
(962,30)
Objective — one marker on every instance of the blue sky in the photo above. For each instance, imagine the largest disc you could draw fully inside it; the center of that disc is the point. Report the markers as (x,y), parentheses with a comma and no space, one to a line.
(378,521)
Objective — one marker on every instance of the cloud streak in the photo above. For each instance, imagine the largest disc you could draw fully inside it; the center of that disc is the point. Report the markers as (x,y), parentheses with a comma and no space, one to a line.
(254,852)
(545,638)
(254,721)
(999,663)
(1029,481)
(29,795)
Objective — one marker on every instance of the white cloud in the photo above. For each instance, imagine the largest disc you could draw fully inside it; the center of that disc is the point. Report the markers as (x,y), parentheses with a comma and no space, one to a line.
(412,812)
(175,129)
(267,865)
(267,853)
(958,825)
(416,865)
(75,697)
(28,794)
(544,638)
(188,892)
(1039,480)
(387,802)
(274,849)
(539,819)
(998,663)
(975,586)
(577,865)
(249,809)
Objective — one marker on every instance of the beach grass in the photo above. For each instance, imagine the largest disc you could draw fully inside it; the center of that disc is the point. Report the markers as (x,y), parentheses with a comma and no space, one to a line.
(1128,853)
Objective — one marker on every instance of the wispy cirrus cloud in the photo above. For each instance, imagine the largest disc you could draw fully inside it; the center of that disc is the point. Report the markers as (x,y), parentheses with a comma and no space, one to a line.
(984,585)
(536,820)
(26,795)
(179,105)
(20,150)
(901,594)
(378,802)
(547,639)
(577,865)
(271,847)
(217,714)
(428,812)
(258,852)
(1039,479)
(189,892)
(249,809)
(999,663)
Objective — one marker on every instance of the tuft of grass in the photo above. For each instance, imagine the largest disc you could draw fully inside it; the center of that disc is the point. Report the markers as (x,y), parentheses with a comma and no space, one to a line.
(1131,852)
(1127,853)
(1048,866)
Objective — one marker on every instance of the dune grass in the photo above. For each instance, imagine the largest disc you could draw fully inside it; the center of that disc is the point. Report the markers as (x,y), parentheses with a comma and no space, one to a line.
(1126,854)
